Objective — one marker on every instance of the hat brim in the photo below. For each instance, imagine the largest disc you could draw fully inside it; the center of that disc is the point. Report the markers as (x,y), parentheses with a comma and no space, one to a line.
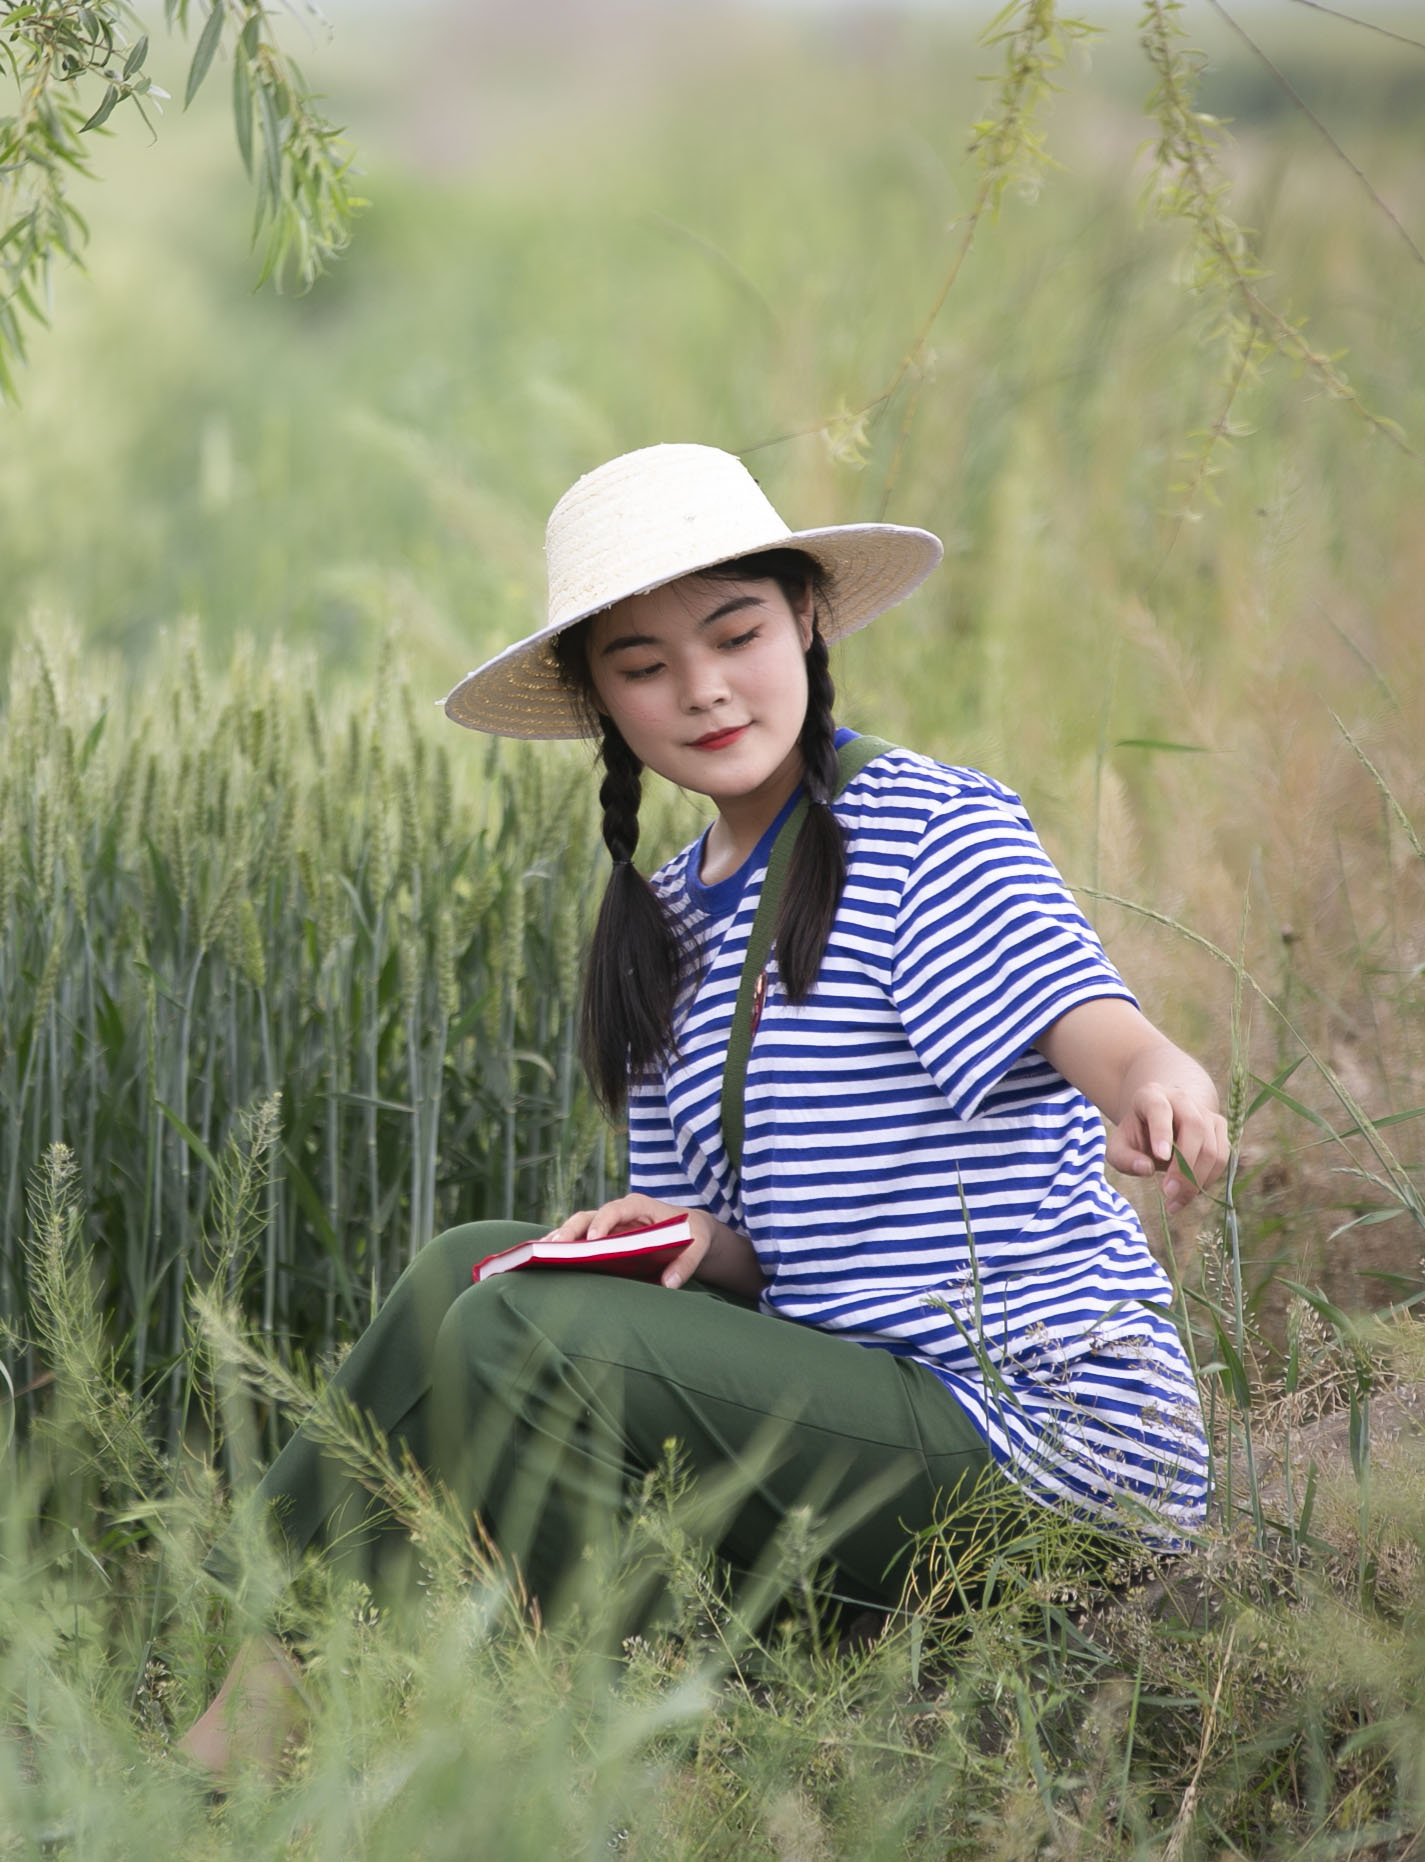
(868,568)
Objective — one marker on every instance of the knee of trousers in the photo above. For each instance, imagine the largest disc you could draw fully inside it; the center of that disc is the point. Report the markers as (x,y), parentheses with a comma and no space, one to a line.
(456,1251)
(445,1265)
(510,1367)
(496,1332)
(509,1406)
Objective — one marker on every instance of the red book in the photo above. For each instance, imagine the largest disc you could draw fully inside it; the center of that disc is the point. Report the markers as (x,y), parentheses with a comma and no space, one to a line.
(636,1254)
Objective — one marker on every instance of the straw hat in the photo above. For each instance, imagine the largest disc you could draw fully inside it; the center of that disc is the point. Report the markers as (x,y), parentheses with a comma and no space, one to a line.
(647,518)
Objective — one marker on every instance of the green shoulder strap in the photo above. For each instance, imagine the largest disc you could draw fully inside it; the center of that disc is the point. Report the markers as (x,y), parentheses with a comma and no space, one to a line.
(852,758)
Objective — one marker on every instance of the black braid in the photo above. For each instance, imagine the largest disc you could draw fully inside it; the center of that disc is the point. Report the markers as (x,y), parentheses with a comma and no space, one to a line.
(635,961)
(818,739)
(620,793)
(818,869)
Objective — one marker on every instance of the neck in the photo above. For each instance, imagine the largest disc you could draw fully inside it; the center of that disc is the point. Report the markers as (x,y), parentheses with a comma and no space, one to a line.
(742,820)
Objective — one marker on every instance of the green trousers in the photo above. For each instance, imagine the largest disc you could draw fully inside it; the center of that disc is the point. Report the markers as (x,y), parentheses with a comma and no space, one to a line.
(540,1399)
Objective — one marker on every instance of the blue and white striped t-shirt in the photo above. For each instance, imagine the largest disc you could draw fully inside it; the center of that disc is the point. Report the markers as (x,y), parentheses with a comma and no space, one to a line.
(916,1176)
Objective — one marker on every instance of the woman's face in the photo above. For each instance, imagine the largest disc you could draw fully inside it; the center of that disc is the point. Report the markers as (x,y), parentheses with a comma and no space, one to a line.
(706,679)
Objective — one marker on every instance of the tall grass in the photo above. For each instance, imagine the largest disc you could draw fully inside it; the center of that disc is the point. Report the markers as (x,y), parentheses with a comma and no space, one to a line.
(220,893)
(1258,1697)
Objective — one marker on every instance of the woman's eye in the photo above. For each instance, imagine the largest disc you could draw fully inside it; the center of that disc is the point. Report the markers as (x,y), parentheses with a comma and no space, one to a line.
(641,672)
(743,640)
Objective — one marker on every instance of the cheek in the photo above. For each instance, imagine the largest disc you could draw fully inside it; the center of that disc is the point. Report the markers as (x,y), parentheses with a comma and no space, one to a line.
(612,700)
(637,712)
(788,679)
(633,708)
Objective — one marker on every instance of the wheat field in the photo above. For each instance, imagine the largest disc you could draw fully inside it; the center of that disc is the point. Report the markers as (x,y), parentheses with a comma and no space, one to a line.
(288,965)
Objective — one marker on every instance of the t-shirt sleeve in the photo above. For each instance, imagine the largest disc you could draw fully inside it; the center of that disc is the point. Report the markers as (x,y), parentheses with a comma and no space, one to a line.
(989,946)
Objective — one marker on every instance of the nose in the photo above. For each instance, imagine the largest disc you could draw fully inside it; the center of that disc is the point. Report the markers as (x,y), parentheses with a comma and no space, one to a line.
(704,683)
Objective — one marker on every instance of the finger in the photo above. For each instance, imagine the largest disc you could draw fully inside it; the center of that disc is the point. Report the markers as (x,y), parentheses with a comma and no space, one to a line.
(682,1268)
(1200,1145)
(625,1212)
(1178,1190)
(594,1224)
(1184,1178)
(1205,1156)
(572,1228)
(1215,1152)
(1126,1153)
(604,1221)
(1157,1115)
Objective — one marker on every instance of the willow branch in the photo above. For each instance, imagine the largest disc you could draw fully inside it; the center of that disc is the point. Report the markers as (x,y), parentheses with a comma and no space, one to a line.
(1306,110)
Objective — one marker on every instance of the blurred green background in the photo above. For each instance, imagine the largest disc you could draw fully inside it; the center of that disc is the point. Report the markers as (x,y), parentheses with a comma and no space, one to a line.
(594,227)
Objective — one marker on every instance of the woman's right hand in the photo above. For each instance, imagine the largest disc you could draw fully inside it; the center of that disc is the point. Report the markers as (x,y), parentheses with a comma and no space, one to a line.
(716,1254)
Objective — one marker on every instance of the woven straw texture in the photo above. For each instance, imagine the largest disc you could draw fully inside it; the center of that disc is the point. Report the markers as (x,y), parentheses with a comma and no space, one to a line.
(647,518)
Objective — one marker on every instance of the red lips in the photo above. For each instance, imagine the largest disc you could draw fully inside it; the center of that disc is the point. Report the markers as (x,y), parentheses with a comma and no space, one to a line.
(719,740)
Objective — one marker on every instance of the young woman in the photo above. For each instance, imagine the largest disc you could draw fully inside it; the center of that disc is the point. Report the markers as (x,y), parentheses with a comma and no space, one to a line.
(910,1277)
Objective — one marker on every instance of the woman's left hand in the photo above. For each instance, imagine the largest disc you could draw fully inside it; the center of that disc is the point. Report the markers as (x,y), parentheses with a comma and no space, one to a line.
(717,1254)
(1161,1105)
(1168,1128)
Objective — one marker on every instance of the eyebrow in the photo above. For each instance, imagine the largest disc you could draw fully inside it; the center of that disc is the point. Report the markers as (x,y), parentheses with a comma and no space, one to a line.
(732,606)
